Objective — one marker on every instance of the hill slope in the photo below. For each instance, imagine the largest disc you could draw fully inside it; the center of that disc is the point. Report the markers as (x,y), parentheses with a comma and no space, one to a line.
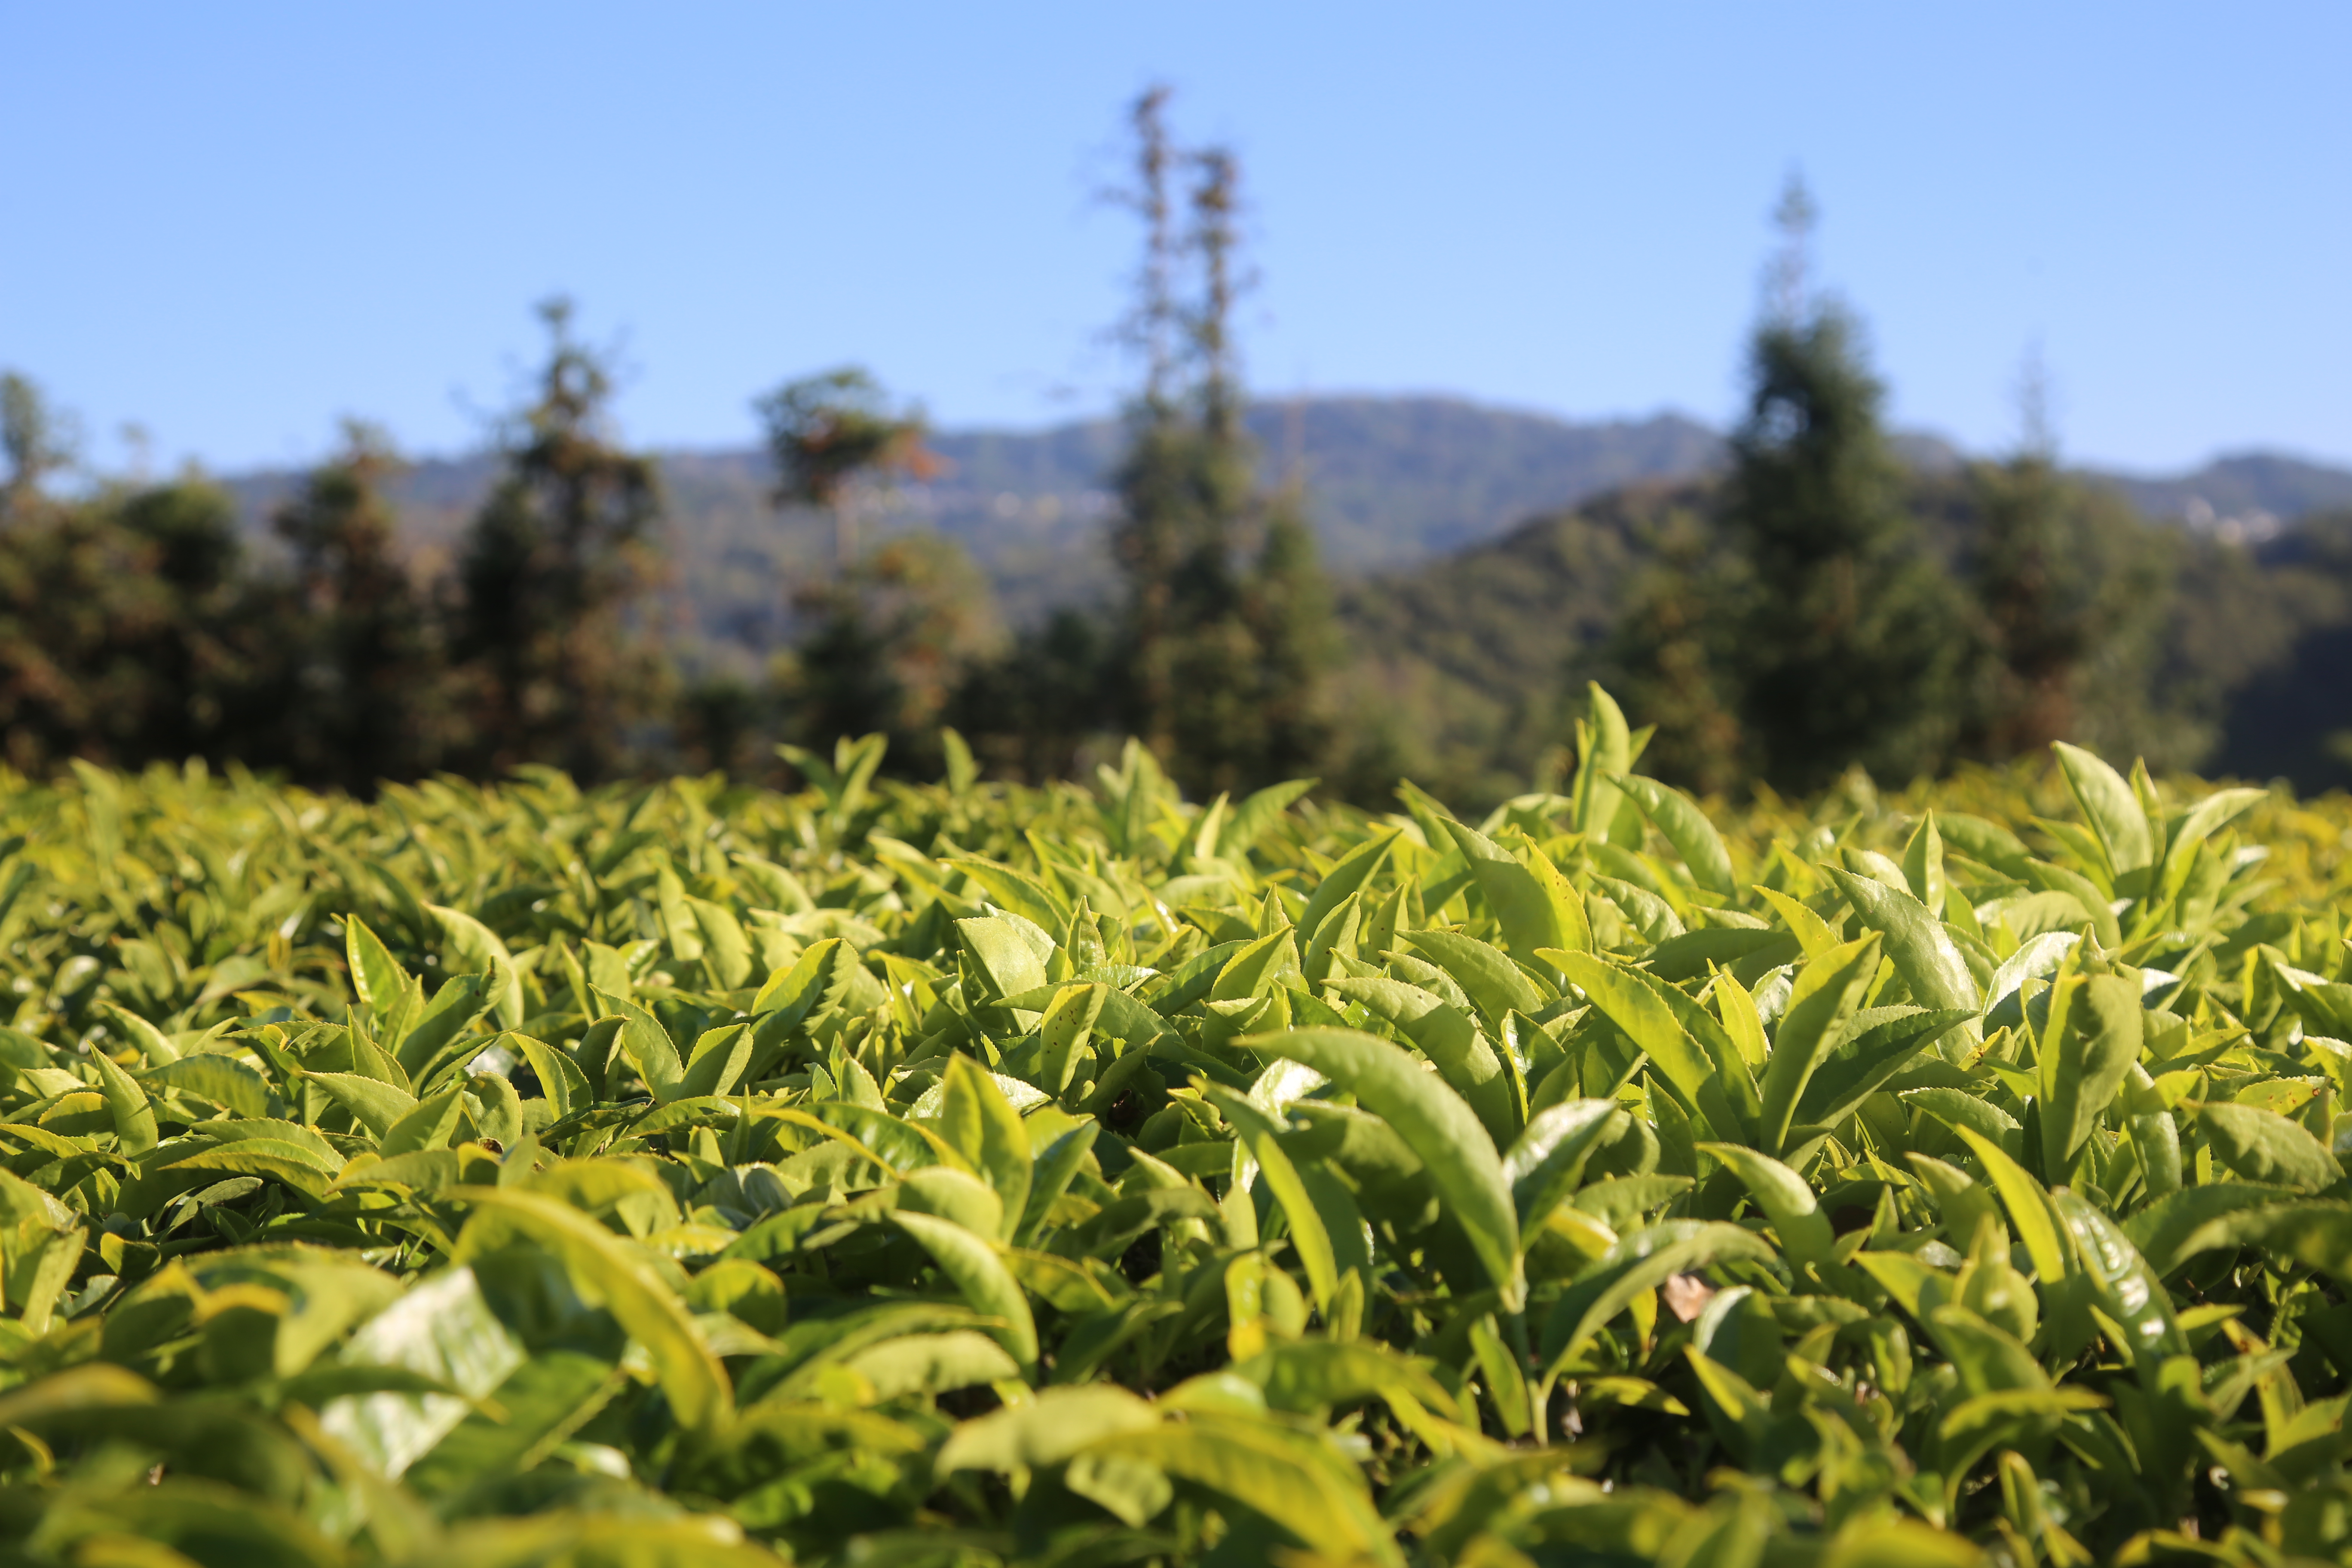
(2247,495)
(1459,671)
(1390,481)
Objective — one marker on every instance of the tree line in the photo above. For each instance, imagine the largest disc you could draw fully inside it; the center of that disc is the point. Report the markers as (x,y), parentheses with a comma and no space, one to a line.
(136,624)
(1799,620)
(1809,622)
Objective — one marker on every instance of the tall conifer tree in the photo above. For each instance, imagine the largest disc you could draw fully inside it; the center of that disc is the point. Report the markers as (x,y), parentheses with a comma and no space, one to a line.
(1226,624)
(2071,591)
(368,701)
(1672,657)
(549,572)
(1848,648)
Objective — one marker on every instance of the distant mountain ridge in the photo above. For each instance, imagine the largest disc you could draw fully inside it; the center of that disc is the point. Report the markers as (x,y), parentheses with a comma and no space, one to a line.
(1392,483)
(2249,496)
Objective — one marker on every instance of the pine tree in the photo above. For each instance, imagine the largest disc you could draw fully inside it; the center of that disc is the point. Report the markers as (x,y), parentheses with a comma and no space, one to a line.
(1670,657)
(128,631)
(34,443)
(893,640)
(2071,593)
(549,572)
(1224,649)
(892,632)
(1214,722)
(1148,538)
(1290,614)
(368,702)
(207,660)
(1848,633)
(1035,711)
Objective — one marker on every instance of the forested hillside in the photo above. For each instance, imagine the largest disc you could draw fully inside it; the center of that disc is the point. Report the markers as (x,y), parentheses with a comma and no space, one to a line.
(1468,663)
(2249,494)
(1355,590)
(1390,483)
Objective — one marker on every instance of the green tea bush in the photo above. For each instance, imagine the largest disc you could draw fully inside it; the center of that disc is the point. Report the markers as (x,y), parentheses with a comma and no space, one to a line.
(963,1174)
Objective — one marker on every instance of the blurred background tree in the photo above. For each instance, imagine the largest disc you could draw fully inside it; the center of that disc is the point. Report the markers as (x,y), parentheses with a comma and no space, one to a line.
(1287,602)
(1809,595)
(1033,712)
(370,698)
(894,632)
(2072,592)
(1674,653)
(1847,637)
(894,639)
(1227,633)
(556,669)
(830,433)
(34,444)
(130,630)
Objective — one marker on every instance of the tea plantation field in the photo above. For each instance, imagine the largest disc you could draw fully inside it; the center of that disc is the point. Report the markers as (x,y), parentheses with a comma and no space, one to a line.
(957,1173)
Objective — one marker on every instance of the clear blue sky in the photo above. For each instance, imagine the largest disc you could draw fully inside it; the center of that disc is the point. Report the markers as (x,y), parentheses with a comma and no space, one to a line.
(234,223)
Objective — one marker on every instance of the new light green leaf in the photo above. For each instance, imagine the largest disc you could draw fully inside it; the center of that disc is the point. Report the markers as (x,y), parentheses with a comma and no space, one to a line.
(1544,1164)
(442,1329)
(2317,1235)
(1352,873)
(377,977)
(2083,1068)
(1002,955)
(980,1123)
(134,1118)
(2178,1227)
(2110,807)
(1299,1375)
(1963,1111)
(224,1080)
(1880,1044)
(798,990)
(474,949)
(932,1364)
(605,1269)
(1604,754)
(2206,818)
(1796,1215)
(1257,815)
(1288,1476)
(2030,1209)
(438,1034)
(726,951)
(1644,1016)
(1921,950)
(1685,825)
(2263,1146)
(1435,1123)
(1260,1134)
(987,1286)
(1024,895)
(155,1048)
(378,1106)
(1445,1035)
(1048,1430)
(647,1045)
(2125,1286)
(427,1126)
(1638,1263)
(719,1059)
(1523,905)
(1820,1005)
